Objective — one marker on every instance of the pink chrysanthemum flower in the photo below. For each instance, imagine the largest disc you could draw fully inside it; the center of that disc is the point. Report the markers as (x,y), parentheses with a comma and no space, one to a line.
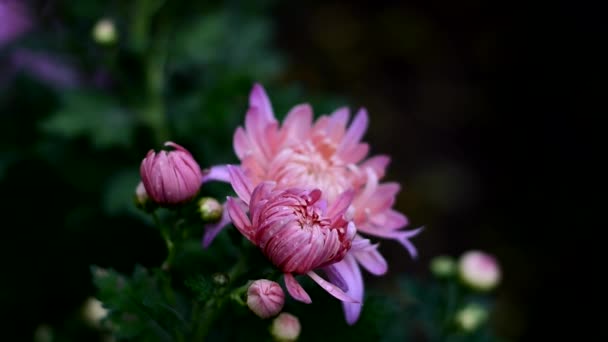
(325,154)
(294,228)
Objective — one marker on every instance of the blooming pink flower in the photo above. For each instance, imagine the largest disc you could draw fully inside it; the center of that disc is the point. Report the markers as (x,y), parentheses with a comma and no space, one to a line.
(265,298)
(172,177)
(326,154)
(294,229)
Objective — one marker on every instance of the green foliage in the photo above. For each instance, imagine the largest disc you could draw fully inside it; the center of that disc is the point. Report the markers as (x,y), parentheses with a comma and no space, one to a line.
(92,115)
(142,306)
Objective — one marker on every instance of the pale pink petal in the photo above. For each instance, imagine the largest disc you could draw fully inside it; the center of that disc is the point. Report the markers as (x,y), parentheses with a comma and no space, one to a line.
(295,289)
(386,221)
(335,277)
(340,116)
(332,289)
(298,123)
(355,154)
(350,272)
(401,236)
(216,173)
(241,185)
(211,230)
(239,218)
(336,124)
(378,164)
(241,143)
(340,205)
(355,131)
(256,125)
(372,260)
(259,99)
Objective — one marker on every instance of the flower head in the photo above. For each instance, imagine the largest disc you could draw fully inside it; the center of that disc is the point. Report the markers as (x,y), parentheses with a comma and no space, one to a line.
(479,270)
(172,177)
(265,298)
(285,328)
(327,155)
(296,231)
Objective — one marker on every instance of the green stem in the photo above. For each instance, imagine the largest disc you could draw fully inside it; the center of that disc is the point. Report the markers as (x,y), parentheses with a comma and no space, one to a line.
(452,298)
(214,307)
(165,232)
(154,54)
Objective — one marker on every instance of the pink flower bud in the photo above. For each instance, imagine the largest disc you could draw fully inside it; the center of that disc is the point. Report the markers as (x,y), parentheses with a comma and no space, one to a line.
(265,298)
(479,270)
(170,177)
(286,327)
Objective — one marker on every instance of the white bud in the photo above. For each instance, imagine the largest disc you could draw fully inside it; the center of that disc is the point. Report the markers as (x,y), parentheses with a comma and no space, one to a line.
(285,328)
(104,32)
(94,312)
(471,317)
(479,270)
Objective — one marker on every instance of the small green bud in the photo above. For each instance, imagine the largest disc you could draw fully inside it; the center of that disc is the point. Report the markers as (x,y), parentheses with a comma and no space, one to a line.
(104,32)
(210,209)
(471,317)
(443,266)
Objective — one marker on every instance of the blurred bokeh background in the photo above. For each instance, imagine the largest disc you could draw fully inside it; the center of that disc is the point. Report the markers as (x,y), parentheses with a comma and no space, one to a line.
(446,85)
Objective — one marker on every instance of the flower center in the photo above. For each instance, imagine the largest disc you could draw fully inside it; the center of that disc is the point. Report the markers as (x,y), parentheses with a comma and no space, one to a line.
(313,165)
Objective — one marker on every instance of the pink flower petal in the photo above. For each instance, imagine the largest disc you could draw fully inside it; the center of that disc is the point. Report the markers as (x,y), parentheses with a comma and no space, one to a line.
(373,261)
(241,184)
(259,99)
(241,143)
(332,289)
(298,122)
(239,217)
(350,272)
(355,131)
(295,289)
(211,230)
(378,164)
(335,277)
(340,205)
(216,173)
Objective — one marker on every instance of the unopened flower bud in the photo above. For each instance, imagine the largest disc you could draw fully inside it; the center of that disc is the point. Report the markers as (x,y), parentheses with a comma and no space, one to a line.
(265,298)
(286,327)
(471,317)
(142,200)
(104,32)
(170,177)
(94,312)
(210,209)
(479,270)
(443,266)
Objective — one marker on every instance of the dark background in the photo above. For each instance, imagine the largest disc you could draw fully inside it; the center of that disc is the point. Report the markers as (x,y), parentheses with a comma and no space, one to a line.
(467,98)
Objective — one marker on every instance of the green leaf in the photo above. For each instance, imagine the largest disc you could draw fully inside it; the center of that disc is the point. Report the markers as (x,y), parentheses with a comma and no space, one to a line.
(95,116)
(141,306)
